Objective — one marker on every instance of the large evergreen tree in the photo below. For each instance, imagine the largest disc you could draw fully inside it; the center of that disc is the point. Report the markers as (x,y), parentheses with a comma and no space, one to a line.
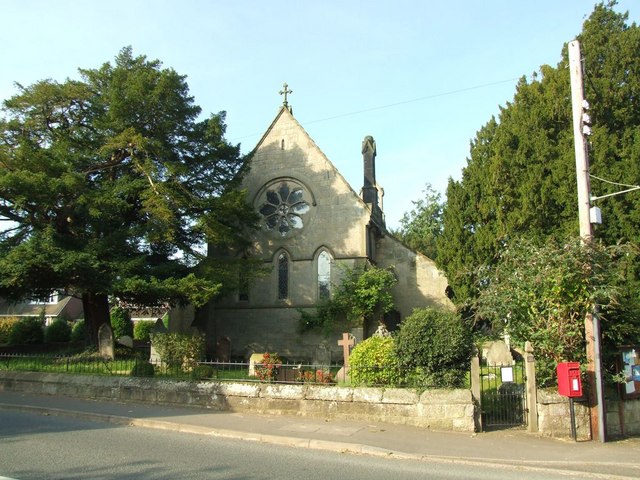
(110,184)
(520,177)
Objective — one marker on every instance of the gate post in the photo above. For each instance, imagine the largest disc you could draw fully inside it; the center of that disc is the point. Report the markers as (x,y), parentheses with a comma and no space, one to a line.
(475,389)
(532,391)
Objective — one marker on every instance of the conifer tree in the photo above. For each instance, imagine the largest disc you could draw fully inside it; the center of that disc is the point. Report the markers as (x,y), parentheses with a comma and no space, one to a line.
(109,185)
(520,178)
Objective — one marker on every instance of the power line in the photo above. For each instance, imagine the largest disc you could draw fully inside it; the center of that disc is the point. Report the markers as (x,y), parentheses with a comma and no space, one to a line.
(419,99)
(613,183)
(391,105)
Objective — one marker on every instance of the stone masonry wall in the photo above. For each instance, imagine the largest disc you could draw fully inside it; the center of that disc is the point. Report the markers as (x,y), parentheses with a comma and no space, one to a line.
(623,418)
(420,283)
(450,410)
(554,419)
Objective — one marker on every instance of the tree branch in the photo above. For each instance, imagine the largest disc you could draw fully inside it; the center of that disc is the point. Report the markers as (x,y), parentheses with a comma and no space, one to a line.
(116,159)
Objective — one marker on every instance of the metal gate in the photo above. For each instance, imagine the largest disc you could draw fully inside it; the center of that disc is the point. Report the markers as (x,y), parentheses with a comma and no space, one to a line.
(503,398)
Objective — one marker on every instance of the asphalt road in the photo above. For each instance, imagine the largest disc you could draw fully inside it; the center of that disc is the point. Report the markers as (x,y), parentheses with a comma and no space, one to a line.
(44,447)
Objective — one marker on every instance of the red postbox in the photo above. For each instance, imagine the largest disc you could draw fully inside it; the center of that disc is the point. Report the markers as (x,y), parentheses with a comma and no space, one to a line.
(569,383)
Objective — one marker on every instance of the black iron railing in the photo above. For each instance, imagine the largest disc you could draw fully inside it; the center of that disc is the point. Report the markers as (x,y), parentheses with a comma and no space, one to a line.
(140,366)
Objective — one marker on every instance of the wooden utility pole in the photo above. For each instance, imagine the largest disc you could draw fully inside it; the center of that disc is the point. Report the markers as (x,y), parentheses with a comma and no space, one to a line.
(592,321)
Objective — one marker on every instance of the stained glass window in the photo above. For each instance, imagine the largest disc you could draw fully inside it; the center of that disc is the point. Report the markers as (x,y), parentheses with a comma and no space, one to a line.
(324,276)
(283,276)
(284,208)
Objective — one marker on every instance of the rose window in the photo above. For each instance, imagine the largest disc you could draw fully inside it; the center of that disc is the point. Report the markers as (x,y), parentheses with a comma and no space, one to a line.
(284,208)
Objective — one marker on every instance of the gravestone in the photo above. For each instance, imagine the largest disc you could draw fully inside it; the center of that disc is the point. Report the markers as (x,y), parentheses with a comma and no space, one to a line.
(382,331)
(126,340)
(253,359)
(322,355)
(105,341)
(154,356)
(498,353)
(223,349)
(159,327)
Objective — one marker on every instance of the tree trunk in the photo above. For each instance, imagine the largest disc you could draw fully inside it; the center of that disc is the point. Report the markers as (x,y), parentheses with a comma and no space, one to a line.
(96,312)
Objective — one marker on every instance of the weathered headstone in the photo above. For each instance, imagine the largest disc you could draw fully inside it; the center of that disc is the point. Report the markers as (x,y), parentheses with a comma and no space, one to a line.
(253,359)
(105,342)
(154,356)
(322,355)
(126,340)
(381,331)
(159,327)
(498,353)
(223,349)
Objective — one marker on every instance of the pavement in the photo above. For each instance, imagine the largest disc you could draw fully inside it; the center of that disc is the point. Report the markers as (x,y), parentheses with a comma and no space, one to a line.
(509,449)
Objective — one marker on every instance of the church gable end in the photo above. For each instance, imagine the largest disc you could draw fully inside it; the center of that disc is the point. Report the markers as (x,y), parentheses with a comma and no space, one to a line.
(312,224)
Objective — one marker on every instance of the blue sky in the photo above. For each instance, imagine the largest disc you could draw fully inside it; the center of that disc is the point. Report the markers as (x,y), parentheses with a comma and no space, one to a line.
(422,77)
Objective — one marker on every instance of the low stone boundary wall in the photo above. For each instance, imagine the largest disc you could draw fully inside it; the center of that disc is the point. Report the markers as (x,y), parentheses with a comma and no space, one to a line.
(554,419)
(451,410)
(623,418)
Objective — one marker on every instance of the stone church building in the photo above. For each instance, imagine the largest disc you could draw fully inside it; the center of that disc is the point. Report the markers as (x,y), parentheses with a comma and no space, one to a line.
(312,223)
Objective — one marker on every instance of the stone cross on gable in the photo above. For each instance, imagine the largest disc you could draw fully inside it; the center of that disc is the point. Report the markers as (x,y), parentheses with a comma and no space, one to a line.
(285,92)
(346,343)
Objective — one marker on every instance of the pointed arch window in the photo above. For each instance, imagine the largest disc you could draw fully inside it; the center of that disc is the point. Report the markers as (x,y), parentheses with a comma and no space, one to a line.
(324,275)
(283,276)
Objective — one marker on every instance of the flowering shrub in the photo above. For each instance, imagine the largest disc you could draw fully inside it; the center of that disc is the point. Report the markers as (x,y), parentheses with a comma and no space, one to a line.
(267,369)
(319,376)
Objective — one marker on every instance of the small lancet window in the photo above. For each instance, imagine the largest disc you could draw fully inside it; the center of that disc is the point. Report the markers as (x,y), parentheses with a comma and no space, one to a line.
(283,276)
(282,144)
(324,276)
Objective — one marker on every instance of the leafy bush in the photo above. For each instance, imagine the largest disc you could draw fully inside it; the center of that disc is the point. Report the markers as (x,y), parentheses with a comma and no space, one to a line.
(58,331)
(178,350)
(142,369)
(373,362)
(121,322)
(267,369)
(542,292)
(27,331)
(436,345)
(79,332)
(364,291)
(6,324)
(142,330)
